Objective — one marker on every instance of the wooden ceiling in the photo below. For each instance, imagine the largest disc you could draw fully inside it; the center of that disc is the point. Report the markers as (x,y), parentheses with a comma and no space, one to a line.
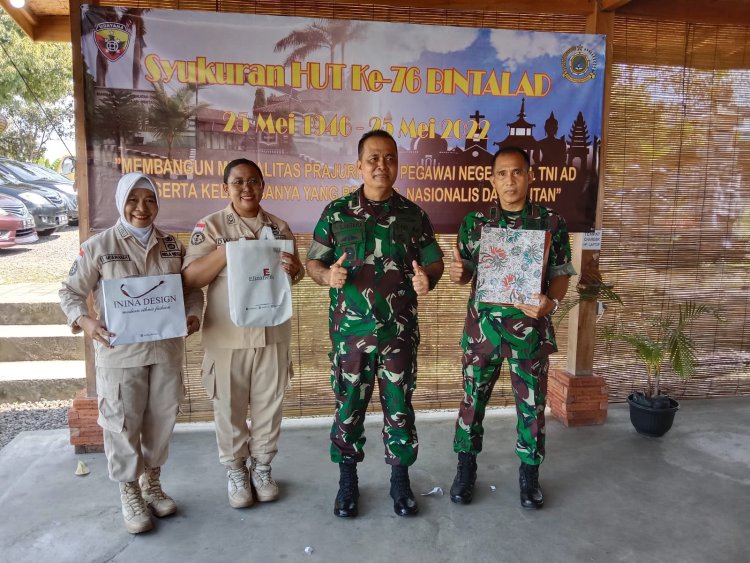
(49,20)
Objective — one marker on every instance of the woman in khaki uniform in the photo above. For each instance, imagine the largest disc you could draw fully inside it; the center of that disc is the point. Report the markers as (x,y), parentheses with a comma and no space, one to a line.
(139,385)
(242,365)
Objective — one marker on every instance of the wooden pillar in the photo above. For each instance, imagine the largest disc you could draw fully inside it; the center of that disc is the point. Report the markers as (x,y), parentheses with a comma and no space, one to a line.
(85,434)
(576,395)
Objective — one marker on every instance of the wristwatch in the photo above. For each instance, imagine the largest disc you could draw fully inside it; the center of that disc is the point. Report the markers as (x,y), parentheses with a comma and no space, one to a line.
(556,307)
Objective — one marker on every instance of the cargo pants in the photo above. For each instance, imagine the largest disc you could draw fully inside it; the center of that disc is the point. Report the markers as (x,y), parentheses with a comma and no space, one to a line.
(354,374)
(137,410)
(529,383)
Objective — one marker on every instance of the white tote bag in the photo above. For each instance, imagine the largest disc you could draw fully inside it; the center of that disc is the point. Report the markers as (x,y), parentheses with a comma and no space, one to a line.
(260,293)
(144,309)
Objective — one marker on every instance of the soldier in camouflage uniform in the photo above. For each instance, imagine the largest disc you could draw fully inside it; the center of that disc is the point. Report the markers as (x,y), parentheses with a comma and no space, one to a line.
(377,252)
(521,334)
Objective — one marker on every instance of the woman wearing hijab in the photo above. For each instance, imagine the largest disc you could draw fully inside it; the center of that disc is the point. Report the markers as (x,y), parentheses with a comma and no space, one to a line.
(139,386)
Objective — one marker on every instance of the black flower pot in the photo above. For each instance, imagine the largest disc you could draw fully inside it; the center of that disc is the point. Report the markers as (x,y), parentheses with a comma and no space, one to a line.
(651,421)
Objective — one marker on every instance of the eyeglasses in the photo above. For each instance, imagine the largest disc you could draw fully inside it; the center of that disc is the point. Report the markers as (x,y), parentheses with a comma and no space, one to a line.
(250,183)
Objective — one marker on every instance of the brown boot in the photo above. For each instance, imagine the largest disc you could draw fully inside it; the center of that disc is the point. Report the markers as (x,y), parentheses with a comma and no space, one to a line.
(135,513)
(160,503)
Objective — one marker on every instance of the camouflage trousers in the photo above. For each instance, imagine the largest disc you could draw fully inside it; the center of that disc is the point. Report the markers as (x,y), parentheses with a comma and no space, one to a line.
(353,377)
(529,382)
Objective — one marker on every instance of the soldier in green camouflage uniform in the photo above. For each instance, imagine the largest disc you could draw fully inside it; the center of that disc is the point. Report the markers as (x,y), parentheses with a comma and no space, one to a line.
(376,251)
(521,334)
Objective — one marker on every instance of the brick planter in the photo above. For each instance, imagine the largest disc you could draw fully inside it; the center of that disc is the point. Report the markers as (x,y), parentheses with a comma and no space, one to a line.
(577,400)
(85,434)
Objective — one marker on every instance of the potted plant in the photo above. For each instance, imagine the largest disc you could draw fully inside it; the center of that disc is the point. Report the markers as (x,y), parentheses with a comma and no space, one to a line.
(590,287)
(654,341)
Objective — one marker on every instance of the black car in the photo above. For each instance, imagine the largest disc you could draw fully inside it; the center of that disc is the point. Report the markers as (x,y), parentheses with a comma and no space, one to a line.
(39,176)
(45,205)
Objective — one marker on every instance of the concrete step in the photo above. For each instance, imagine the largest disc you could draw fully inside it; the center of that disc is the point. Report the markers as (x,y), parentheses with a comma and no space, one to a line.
(30,304)
(21,343)
(39,313)
(33,381)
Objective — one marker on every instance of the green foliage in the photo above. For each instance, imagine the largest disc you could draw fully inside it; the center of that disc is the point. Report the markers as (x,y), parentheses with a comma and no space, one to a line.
(169,116)
(30,128)
(118,116)
(48,87)
(657,339)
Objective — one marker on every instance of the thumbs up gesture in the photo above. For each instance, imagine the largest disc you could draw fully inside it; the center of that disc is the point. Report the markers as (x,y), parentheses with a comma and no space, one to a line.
(420,282)
(458,270)
(337,273)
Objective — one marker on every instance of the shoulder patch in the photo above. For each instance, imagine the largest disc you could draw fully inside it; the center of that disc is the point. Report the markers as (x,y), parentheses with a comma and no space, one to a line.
(197,238)
(73,268)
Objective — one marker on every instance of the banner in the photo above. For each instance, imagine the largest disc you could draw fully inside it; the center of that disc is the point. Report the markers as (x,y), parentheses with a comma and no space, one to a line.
(177,94)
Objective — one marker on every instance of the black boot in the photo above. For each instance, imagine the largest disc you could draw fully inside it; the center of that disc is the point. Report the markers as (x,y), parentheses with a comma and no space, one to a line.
(531,492)
(348,495)
(404,503)
(462,489)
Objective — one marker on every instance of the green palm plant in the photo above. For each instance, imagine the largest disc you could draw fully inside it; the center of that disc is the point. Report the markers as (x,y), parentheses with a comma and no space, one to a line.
(661,338)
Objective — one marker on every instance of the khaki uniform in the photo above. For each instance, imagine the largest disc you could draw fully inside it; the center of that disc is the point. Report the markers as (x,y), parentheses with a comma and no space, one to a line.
(139,386)
(242,365)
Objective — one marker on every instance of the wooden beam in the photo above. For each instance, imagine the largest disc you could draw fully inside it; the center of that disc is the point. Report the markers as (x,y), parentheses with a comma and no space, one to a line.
(22,16)
(82,183)
(612,5)
(581,7)
(582,319)
(53,28)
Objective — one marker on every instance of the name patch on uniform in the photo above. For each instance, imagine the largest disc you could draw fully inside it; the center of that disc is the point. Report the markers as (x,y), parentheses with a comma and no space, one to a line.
(220,241)
(170,254)
(114,258)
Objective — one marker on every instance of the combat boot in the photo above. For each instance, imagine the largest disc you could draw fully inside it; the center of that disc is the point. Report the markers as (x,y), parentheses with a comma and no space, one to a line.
(239,490)
(160,503)
(531,492)
(265,487)
(135,513)
(347,499)
(404,503)
(462,489)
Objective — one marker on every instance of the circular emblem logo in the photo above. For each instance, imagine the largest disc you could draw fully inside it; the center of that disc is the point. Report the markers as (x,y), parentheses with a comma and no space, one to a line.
(197,238)
(579,64)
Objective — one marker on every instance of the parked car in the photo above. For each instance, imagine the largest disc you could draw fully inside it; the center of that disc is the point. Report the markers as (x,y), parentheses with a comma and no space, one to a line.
(45,205)
(36,175)
(16,223)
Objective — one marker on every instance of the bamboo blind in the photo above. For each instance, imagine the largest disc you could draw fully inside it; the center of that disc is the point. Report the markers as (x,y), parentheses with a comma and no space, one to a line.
(676,221)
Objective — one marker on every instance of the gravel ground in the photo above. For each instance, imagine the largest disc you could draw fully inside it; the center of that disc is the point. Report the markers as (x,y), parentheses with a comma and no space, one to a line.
(41,415)
(46,260)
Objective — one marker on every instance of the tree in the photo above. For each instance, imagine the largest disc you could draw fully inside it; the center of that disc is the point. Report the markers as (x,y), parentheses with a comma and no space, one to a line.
(169,116)
(118,116)
(36,86)
(321,34)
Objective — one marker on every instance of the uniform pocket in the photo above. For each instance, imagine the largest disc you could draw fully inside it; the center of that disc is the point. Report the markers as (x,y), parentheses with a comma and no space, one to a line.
(208,377)
(111,409)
